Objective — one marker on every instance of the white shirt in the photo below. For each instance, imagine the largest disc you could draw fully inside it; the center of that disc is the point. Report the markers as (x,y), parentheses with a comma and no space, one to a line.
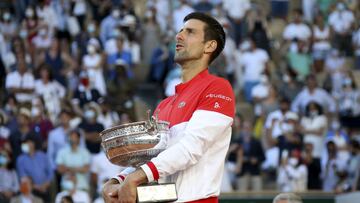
(26,81)
(341,21)
(279,118)
(317,141)
(236,9)
(42,42)
(254,63)
(292,179)
(319,95)
(104,169)
(300,31)
(324,35)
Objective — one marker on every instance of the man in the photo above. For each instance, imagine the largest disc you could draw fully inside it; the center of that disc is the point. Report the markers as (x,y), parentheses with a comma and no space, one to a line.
(34,163)
(200,115)
(287,198)
(26,195)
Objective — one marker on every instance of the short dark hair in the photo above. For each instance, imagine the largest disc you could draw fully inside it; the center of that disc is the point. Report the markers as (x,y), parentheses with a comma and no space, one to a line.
(213,31)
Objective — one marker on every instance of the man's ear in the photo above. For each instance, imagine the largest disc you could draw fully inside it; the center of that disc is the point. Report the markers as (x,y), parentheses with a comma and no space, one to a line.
(210,46)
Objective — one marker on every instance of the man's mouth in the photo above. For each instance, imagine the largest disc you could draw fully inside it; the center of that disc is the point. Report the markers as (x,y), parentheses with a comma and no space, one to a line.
(179,46)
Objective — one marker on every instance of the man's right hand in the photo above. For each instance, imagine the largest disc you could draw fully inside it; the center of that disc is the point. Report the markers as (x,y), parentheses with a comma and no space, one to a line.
(110,187)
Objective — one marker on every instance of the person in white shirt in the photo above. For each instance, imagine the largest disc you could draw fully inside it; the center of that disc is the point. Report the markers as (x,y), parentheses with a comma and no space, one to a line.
(292,174)
(297,30)
(313,93)
(20,82)
(321,42)
(254,63)
(341,21)
(313,126)
(236,11)
(51,91)
(69,188)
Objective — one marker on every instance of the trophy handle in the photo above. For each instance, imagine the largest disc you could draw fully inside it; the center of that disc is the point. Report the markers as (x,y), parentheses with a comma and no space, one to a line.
(152,123)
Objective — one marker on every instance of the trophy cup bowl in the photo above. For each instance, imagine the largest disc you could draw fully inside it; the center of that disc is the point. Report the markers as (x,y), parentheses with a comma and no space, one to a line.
(134,144)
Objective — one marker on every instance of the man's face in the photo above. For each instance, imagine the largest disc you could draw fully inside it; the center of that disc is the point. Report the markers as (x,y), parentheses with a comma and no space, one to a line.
(190,43)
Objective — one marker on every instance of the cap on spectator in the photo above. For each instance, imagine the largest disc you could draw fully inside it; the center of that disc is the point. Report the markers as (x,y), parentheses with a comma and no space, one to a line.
(291,116)
(26,112)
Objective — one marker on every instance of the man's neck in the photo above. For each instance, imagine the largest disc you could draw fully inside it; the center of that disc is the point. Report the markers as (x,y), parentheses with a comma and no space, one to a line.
(191,69)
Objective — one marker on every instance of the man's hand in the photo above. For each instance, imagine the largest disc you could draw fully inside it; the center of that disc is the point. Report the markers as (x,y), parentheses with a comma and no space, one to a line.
(126,191)
(110,187)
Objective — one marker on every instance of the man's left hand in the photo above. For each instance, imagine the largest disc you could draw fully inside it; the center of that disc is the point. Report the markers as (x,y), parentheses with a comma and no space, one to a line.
(126,193)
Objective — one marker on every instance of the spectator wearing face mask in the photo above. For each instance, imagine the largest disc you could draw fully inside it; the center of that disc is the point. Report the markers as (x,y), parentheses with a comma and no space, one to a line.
(341,21)
(313,126)
(292,174)
(109,23)
(26,195)
(42,40)
(7,25)
(69,189)
(91,129)
(9,182)
(93,64)
(35,164)
(74,159)
(85,93)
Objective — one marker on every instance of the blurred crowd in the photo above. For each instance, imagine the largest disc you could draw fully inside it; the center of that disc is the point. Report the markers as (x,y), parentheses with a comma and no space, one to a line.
(72,68)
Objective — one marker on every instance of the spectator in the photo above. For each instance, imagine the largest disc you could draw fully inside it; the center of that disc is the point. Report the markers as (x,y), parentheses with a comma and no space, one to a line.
(8,25)
(58,137)
(101,170)
(59,61)
(352,170)
(51,92)
(107,117)
(152,38)
(313,165)
(313,126)
(70,190)
(85,92)
(296,30)
(93,64)
(292,174)
(9,182)
(109,23)
(4,131)
(290,87)
(74,159)
(341,139)
(21,82)
(300,61)
(331,166)
(35,164)
(321,42)
(91,129)
(250,155)
(335,67)
(356,45)
(21,133)
(236,11)
(29,25)
(349,104)
(254,62)
(42,40)
(313,93)
(40,125)
(26,195)
(341,21)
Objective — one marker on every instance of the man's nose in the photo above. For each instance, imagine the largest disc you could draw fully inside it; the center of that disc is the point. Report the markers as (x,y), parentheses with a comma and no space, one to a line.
(179,36)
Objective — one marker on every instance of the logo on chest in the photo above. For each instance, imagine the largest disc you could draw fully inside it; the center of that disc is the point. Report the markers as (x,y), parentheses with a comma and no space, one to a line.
(181,104)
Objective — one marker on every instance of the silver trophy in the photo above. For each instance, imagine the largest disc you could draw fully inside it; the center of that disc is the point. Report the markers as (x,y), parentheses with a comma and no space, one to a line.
(134,144)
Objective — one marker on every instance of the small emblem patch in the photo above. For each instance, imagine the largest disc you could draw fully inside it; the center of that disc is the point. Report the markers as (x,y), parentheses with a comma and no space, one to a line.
(181,104)
(217,105)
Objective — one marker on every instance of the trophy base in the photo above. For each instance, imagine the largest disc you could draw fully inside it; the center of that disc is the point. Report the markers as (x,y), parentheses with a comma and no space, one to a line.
(156,193)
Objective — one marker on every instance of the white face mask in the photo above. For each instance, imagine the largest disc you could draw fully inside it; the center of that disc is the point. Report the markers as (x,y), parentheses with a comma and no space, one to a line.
(6,16)
(25,148)
(68,185)
(293,161)
(89,114)
(286,78)
(91,28)
(91,49)
(29,13)
(115,14)
(287,127)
